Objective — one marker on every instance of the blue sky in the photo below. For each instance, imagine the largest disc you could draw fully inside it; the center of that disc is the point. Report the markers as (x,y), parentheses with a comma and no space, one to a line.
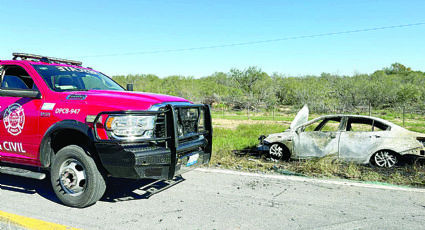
(115,37)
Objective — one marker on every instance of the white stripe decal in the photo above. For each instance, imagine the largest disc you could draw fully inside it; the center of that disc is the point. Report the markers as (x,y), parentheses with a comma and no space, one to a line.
(48,106)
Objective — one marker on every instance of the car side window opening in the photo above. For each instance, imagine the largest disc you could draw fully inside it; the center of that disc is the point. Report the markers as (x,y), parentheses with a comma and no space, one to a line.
(331,126)
(325,125)
(365,125)
(15,77)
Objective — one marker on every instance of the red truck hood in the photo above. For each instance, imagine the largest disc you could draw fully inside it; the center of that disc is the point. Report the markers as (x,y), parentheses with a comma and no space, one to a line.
(119,100)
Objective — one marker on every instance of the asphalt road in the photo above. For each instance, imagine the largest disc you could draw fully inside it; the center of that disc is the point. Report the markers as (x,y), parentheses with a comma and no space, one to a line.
(218,199)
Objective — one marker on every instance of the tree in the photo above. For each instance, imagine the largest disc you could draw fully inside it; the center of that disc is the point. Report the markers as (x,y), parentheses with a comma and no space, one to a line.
(397,68)
(255,85)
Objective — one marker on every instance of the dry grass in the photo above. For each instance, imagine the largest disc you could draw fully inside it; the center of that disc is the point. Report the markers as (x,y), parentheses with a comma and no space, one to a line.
(328,167)
(233,124)
(231,135)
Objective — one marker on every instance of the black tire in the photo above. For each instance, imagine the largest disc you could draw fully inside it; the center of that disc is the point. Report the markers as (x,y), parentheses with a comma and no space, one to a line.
(75,178)
(384,159)
(279,152)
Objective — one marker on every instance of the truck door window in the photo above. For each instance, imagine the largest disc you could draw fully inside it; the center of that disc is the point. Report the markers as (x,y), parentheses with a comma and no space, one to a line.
(10,81)
(15,77)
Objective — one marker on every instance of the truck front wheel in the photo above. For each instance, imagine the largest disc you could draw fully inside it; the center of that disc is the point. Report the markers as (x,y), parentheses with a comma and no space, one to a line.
(75,178)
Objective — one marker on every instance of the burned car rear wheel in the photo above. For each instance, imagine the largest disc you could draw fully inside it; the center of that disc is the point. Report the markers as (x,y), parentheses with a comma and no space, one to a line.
(278,152)
(385,159)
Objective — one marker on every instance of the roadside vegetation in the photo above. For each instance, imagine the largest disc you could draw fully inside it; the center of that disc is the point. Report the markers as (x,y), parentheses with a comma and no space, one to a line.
(235,147)
(248,103)
(252,89)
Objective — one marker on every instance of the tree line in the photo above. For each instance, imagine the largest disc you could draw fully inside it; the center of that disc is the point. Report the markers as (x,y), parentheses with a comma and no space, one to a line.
(253,89)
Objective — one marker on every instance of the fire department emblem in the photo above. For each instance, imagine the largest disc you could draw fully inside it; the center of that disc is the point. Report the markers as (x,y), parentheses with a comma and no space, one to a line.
(14,119)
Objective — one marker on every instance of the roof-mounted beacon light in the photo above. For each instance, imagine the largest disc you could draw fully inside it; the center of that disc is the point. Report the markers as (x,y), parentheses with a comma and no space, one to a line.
(24,56)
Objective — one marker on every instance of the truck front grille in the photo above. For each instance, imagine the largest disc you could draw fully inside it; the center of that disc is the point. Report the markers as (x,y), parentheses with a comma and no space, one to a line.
(160,129)
(187,121)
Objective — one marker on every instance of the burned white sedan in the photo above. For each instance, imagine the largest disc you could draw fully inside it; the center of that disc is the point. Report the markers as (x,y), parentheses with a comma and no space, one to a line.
(362,139)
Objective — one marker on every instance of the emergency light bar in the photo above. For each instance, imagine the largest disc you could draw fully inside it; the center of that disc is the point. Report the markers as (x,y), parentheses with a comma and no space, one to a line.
(24,56)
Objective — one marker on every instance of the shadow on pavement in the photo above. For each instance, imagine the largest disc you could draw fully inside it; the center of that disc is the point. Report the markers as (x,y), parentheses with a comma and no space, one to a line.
(119,190)
(28,186)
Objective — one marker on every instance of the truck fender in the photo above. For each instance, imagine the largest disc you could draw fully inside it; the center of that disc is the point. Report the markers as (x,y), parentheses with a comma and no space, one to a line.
(46,151)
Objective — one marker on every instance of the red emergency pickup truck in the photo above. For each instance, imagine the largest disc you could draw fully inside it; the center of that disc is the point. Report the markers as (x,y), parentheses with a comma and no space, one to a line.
(80,126)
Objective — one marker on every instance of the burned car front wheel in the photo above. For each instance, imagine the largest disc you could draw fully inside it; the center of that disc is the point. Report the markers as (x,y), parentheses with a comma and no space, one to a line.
(278,152)
(384,159)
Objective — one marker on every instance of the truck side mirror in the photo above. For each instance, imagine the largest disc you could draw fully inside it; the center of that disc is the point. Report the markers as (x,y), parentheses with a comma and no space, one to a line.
(129,87)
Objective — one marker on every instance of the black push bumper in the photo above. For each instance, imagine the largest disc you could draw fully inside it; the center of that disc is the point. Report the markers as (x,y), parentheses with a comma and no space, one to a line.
(170,153)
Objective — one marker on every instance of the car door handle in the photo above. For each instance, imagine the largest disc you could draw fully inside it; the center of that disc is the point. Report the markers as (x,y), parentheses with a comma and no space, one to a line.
(375,136)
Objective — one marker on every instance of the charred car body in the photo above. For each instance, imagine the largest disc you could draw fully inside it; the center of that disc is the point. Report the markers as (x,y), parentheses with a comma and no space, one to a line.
(357,138)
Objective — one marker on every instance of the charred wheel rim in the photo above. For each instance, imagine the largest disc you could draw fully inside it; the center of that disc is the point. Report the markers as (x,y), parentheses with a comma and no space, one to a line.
(72,177)
(276,152)
(385,159)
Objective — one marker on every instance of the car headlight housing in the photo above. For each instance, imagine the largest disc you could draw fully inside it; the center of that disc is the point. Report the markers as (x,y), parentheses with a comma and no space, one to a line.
(130,127)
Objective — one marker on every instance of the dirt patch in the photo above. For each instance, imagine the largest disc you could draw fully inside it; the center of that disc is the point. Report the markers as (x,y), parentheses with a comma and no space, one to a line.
(232,124)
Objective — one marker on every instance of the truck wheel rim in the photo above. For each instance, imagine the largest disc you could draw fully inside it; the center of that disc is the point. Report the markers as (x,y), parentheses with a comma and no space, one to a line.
(72,177)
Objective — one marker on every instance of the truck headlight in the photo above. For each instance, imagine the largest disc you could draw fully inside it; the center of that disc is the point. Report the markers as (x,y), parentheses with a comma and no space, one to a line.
(187,121)
(130,127)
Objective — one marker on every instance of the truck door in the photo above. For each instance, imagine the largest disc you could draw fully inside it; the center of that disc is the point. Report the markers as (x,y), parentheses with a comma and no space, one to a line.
(19,116)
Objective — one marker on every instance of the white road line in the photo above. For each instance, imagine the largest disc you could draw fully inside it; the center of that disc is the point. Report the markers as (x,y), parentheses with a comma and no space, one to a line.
(313,180)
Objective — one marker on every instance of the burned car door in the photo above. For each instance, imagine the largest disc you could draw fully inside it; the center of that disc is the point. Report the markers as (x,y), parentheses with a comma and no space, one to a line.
(361,137)
(317,139)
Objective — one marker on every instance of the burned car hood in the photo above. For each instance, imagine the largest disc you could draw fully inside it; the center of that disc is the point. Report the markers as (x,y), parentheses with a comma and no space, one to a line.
(301,118)
(277,137)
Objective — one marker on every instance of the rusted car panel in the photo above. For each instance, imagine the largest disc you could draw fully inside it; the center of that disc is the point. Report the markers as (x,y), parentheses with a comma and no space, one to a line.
(315,144)
(362,139)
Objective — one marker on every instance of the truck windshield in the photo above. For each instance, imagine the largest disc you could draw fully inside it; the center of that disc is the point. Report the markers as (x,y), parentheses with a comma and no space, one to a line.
(64,78)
